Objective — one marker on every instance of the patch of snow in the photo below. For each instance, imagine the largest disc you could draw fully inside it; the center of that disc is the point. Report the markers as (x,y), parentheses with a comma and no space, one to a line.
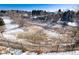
(29,53)
(16,51)
(53,53)
(72,24)
(6,54)
(15,30)
(5,17)
(9,36)
(11,26)
(7,21)
(62,53)
(19,52)
(8,24)
(35,17)
(52,34)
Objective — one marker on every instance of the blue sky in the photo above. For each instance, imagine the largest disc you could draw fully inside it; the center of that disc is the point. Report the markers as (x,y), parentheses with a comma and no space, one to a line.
(29,7)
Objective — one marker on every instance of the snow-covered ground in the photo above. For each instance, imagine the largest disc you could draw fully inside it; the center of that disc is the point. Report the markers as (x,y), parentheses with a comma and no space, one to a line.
(8,23)
(9,29)
(63,53)
(72,24)
(52,53)
(15,30)
(9,26)
(52,34)
(19,52)
(13,52)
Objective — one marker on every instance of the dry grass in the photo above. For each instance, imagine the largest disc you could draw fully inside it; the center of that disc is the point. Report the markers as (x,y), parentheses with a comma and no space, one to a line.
(34,38)
(1,28)
(34,34)
(3,49)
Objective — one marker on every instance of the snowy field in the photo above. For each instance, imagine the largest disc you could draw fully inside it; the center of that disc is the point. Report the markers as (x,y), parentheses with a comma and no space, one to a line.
(9,26)
(19,52)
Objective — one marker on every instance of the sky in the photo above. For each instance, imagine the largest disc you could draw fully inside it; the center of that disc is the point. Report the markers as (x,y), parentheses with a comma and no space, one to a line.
(29,7)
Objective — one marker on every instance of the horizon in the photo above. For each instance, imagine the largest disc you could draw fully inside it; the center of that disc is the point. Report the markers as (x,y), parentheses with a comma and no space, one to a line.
(30,7)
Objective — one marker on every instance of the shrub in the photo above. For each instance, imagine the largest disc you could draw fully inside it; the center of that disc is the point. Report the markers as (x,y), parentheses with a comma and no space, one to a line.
(1,22)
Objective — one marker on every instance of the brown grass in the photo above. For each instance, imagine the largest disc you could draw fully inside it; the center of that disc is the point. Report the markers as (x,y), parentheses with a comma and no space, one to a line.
(34,38)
